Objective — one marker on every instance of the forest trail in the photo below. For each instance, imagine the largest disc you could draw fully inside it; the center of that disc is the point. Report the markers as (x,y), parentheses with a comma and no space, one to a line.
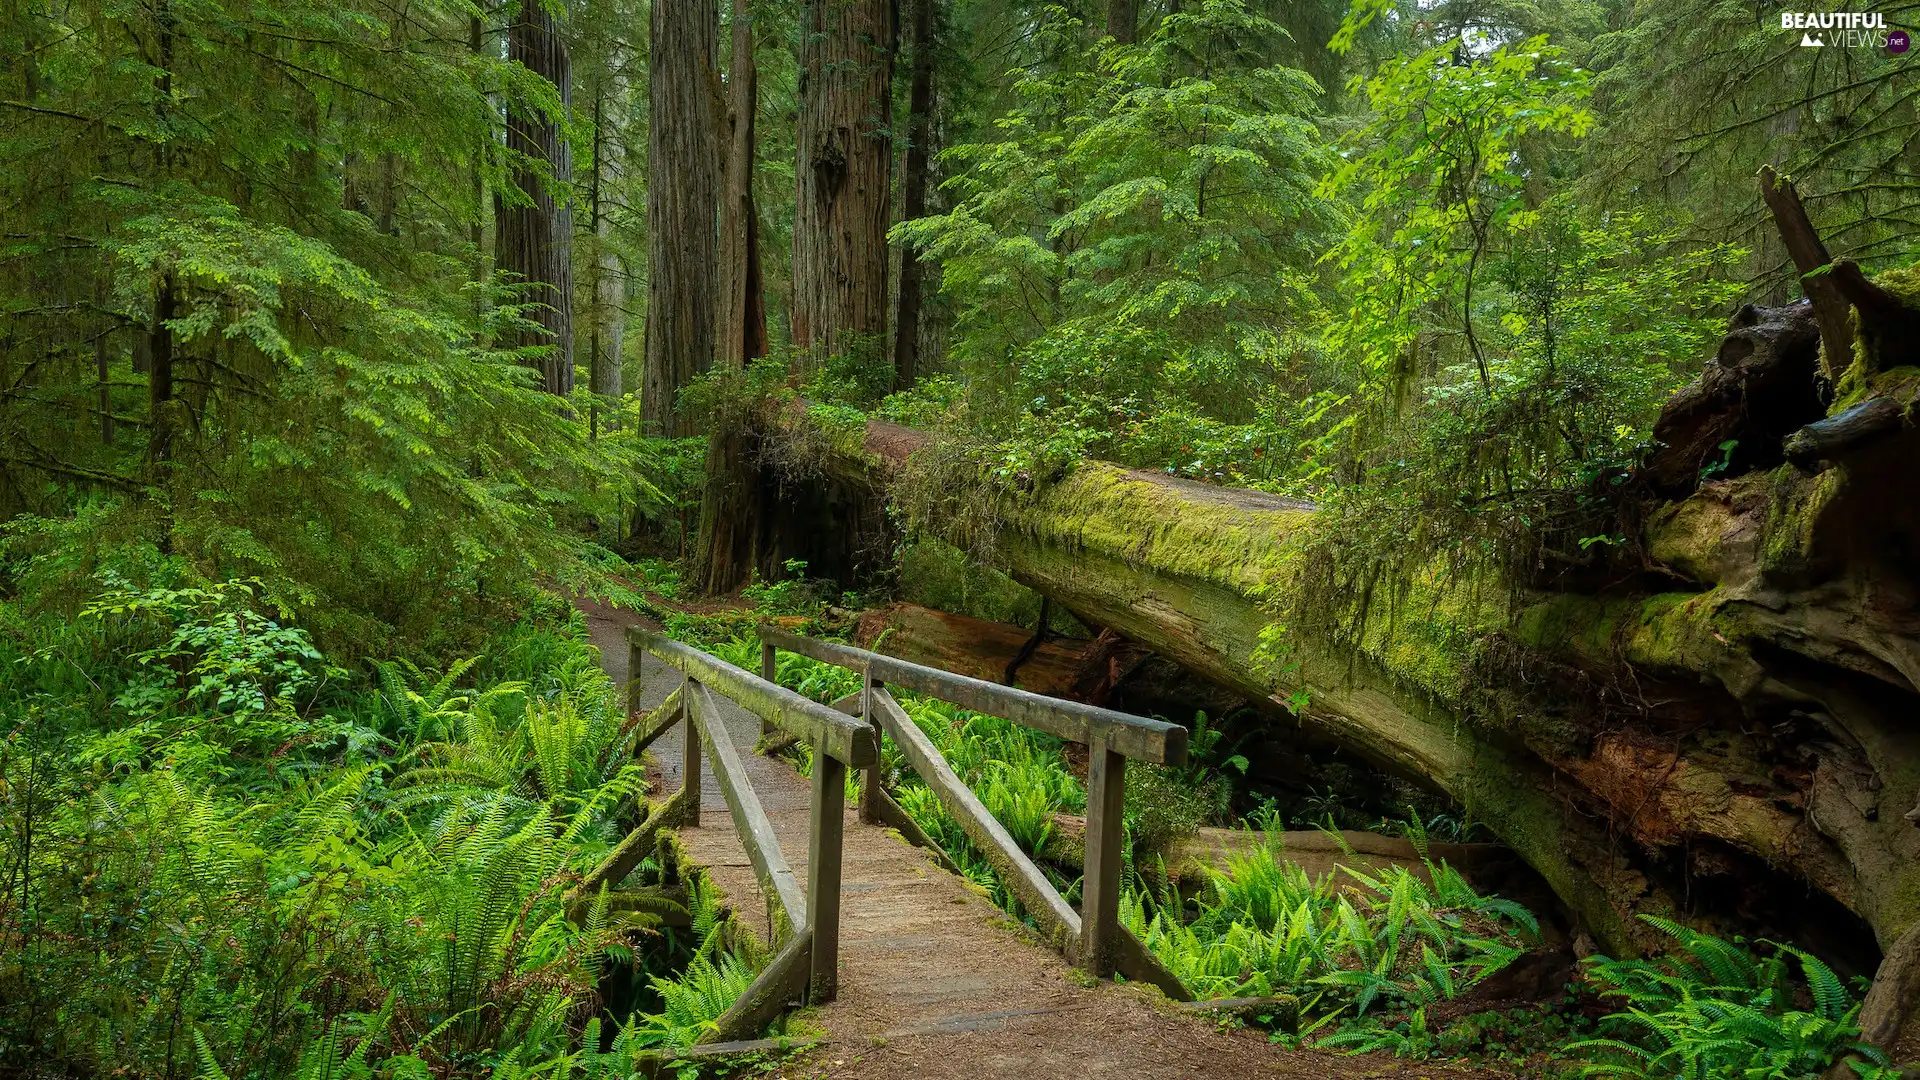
(935,981)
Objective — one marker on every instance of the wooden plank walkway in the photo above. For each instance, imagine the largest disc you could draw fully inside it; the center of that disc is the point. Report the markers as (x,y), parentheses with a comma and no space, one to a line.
(934,980)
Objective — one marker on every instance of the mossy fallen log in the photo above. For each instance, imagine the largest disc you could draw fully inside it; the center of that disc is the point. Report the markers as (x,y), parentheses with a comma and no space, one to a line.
(1727,733)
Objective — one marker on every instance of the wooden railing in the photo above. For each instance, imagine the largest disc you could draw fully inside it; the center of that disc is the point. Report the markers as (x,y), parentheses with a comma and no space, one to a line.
(1092,937)
(806,924)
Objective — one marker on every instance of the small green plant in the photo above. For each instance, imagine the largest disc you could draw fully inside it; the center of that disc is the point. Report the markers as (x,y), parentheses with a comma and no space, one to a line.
(694,1001)
(791,595)
(1712,1007)
(1383,939)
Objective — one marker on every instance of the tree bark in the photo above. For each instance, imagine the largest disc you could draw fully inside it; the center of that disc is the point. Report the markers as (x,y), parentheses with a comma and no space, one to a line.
(737,338)
(1809,254)
(161,407)
(533,230)
(477,228)
(728,503)
(609,276)
(1123,18)
(913,195)
(681,203)
(843,165)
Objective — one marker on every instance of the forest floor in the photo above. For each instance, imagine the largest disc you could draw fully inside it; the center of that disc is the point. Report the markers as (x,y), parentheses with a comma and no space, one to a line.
(937,982)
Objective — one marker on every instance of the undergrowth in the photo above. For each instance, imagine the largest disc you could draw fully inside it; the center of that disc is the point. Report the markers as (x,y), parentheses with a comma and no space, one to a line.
(1377,960)
(222,855)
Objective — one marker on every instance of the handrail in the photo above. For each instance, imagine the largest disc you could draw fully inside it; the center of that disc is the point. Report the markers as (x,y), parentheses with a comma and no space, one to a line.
(843,737)
(811,956)
(1093,936)
(777,881)
(1137,737)
(1059,923)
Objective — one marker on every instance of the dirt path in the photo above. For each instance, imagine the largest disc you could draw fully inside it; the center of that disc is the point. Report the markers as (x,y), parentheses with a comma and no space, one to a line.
(934,980)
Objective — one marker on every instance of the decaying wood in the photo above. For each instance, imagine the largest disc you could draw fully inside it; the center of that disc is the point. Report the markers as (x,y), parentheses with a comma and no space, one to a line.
(633,850)
(1888,329)
(651,1064)
(969,646)
(1761,386)
(1319,853)
(1731,719)
(1838,435)
(1785,596)
(1031,645)
(1282,1010)
(1810,258)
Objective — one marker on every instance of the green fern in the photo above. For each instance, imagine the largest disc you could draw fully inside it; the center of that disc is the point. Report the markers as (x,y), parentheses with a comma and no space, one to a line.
(1711,1007)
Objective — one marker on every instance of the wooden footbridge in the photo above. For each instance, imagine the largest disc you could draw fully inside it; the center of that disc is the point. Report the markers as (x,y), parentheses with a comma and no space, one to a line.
(910,971)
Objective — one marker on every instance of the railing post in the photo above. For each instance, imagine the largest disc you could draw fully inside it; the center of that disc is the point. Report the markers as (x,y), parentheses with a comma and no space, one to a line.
(1100,888)
(823,872)
(870,779)
(690,759)
(636,657)
(769,667)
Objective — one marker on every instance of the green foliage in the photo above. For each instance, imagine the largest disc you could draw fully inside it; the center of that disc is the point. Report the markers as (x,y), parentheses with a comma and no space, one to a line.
(1710,1007)
(1388,940)
(1435,160)
(278,197)
(217,861)
(695,999)
(1124,232)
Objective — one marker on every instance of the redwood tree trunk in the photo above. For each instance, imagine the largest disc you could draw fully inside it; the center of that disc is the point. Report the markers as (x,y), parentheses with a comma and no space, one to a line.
(739,336)
(728,517)
(534,230)
(913,195)
(609,276)
(843,165)
(681,201)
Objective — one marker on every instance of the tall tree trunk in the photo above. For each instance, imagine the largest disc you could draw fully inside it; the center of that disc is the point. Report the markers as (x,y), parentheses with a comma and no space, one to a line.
(913,195)
(160,406)
(1123,19)
(477,229)
(728,518)
(160,403)
(843,164)
(609,277)
(534,233)
(735,338)
(681,202)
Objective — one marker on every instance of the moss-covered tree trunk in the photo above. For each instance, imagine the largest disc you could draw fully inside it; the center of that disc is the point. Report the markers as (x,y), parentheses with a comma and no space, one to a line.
(1730,732)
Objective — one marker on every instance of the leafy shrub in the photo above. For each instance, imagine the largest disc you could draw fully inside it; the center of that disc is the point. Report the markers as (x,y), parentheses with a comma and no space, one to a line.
(1388,939)
(225,857)
(1711,1007)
